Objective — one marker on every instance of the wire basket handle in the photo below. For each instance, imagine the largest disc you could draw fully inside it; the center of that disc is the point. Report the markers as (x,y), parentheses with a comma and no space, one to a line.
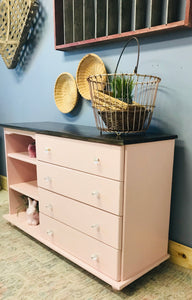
(138,54)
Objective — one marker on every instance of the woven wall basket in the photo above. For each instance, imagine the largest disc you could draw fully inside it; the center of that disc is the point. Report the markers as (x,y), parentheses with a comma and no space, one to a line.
(16,18)
(65,92)
(90,64)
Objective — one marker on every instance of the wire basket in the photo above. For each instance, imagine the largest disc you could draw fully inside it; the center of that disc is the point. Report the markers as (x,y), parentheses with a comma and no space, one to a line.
(123,103)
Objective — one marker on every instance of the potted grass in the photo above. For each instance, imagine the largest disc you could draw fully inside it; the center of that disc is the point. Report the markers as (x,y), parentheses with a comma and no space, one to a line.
(119,110)
(122,87)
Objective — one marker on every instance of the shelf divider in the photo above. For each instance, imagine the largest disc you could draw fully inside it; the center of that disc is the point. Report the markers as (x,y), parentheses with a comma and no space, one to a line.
(23,156)
(29,189)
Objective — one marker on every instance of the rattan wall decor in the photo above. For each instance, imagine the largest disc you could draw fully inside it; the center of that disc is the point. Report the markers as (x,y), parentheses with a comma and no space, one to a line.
(16,18)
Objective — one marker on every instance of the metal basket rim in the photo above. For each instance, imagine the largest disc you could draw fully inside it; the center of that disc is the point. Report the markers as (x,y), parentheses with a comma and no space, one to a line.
(91,77)
(139,106)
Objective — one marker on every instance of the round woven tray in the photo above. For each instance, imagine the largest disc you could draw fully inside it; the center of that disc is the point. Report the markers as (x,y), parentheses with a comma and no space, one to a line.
(90,64)
(65,92)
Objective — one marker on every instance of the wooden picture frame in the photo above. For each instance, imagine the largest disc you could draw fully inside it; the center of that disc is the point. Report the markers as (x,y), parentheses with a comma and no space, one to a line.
(157,16)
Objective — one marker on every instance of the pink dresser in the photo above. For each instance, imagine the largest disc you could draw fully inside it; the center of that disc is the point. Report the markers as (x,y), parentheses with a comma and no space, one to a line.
(104,201)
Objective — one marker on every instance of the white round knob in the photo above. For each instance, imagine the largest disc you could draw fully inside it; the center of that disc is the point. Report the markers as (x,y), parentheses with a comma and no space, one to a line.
(95,193)
(50,232)
(47,149)
(94,257)
(96,160)
(95,226)
(47,179)
(49,206)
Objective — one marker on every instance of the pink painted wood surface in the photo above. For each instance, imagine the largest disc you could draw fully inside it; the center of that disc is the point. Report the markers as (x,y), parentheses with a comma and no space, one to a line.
(17,141)
(20,220)
(147,189)
(99,159)
(16,190)
(96,191)
(19,132)
(100,256)
(23,156)
(35,232)
(15,201)
(20,171)
(101,225)
(148,177)
(27,188)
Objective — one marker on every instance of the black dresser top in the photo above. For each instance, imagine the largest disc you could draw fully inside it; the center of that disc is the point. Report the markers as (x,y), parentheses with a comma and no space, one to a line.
(87,133)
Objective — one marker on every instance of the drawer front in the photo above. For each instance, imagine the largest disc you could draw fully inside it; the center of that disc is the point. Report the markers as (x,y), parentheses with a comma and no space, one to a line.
(99,159)
(99,224)
(99,192)
(96,254)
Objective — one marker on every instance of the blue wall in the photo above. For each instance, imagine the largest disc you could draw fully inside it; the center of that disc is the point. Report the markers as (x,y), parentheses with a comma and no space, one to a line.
(29,96)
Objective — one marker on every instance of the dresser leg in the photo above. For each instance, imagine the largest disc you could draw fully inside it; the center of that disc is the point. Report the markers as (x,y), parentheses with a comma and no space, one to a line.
(115,290)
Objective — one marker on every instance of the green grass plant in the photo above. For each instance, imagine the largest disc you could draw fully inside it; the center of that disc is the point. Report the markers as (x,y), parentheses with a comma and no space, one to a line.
(122,87)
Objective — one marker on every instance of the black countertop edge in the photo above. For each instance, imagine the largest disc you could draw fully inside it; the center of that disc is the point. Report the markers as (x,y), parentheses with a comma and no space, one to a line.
(87,133)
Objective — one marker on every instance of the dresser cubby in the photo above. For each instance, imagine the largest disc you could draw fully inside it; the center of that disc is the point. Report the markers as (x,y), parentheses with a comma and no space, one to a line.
(16,204)
(85,22)
(22,173)
(18,143)
(104,202)
(17,213)
(28,188)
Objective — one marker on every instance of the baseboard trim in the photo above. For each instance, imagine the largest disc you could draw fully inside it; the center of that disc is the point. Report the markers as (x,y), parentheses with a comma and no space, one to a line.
(3,182)
(180,254)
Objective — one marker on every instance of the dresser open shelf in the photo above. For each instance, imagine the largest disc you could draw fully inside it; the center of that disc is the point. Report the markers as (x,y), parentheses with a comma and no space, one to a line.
(20,221)
(29,189)
(104,202)
(23,156)
(22,173)
(80,23)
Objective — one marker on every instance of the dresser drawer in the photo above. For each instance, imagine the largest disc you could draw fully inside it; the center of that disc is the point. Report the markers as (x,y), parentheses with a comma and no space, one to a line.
(103,193)
(99,224)
(100,256)
(99,159)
